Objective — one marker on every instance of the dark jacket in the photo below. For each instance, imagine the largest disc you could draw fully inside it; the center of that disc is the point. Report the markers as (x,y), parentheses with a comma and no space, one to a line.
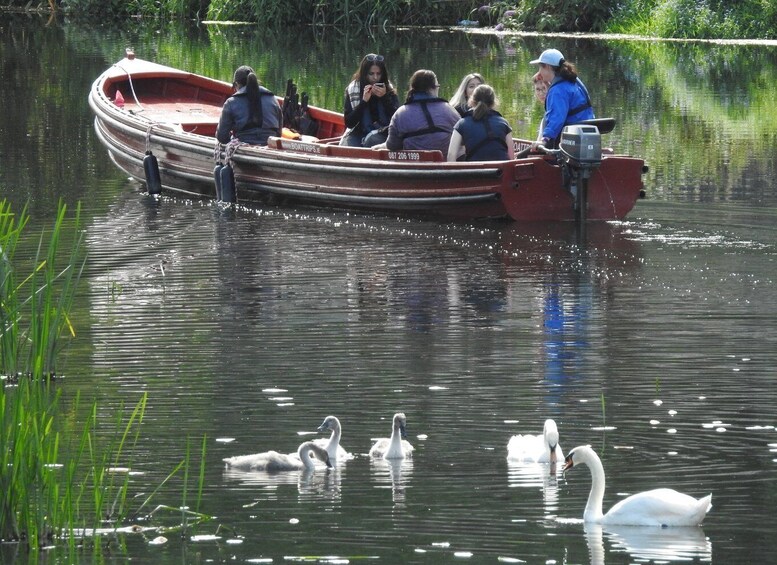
(424,122)
(484,139)
(235,116)
(371,115)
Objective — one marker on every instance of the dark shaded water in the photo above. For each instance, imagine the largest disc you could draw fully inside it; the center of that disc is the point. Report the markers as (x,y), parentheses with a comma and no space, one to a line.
(653,340)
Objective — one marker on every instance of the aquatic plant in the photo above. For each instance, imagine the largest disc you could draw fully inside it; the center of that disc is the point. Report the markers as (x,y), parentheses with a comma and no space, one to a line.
(34,312)
(77,492)
(58,490)
(604,412)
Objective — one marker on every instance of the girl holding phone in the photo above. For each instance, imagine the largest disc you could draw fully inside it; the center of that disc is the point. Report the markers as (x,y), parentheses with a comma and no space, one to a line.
(370,102)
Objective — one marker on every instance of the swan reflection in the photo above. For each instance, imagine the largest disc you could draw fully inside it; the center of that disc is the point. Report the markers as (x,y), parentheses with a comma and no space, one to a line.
(536,475)
(649,543)
(311,485)
(395,473)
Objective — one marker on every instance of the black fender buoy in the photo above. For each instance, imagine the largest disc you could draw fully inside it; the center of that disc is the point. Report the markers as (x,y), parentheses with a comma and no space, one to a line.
(217,179)
(151,168)
(227,176)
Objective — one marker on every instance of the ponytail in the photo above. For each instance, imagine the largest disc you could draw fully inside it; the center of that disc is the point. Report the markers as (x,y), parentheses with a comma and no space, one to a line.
(567,71)
(254,100)
(483,99)
(246,77)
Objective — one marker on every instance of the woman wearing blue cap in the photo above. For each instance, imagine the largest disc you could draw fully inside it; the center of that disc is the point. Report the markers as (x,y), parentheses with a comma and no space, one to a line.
(567,101)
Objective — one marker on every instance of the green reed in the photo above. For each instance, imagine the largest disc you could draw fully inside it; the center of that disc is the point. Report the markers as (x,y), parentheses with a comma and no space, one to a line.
(34,311)
(77,491)
(59,485)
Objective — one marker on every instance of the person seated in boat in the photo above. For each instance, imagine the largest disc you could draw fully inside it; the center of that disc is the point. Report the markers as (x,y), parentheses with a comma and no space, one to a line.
(466,88)
(370,102)
(251,114)
(482,134)
(567,100)
(425,121)
(540,93)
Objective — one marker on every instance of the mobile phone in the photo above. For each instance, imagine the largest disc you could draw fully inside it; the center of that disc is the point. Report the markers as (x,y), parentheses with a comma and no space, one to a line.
(379,84)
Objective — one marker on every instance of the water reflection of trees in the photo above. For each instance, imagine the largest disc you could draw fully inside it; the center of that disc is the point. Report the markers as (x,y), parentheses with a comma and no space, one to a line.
(703,117)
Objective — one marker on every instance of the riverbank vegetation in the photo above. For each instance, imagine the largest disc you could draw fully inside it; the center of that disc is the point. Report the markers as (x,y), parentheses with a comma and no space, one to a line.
(61,485)
(690,19)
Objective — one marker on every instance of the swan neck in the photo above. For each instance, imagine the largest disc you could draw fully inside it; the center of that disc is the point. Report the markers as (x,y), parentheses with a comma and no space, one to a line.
(593,508)
(396,437)
(334,439)
(304,456)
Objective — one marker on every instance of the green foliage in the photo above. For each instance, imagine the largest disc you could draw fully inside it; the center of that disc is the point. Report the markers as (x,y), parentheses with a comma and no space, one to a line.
(562,15)
(76,492)
(695,19)
(346,13)
(698,19)
(35,310)
(44,499)
(53,491)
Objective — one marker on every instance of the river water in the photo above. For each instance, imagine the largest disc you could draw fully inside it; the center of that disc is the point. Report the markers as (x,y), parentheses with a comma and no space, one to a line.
(654,339)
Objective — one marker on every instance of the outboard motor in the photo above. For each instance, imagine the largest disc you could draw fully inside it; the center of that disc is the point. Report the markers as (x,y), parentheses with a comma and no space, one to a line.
(580,153)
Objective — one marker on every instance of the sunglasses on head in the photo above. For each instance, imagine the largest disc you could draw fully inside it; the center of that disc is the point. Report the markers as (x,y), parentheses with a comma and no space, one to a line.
(377,58)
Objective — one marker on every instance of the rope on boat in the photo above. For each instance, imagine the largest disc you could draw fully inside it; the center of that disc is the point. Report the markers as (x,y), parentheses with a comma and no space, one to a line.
(132,87)
(148,137)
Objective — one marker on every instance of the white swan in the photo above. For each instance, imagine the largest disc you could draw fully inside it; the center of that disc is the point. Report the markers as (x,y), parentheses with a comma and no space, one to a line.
(659,507)
(273,461)
(332,445)
(396,447)
(537,449)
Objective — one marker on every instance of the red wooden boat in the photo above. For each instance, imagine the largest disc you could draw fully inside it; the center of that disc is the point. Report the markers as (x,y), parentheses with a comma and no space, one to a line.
(172,115)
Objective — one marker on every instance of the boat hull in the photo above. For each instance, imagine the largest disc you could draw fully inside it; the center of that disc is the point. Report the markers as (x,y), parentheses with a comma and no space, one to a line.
(173,115)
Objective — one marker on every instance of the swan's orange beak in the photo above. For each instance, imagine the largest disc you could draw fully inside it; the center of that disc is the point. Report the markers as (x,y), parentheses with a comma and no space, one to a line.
(568,463)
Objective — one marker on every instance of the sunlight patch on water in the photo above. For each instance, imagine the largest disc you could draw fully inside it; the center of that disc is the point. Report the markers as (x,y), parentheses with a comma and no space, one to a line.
(561,520)
(321,558)
(690,239)
(205,537)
